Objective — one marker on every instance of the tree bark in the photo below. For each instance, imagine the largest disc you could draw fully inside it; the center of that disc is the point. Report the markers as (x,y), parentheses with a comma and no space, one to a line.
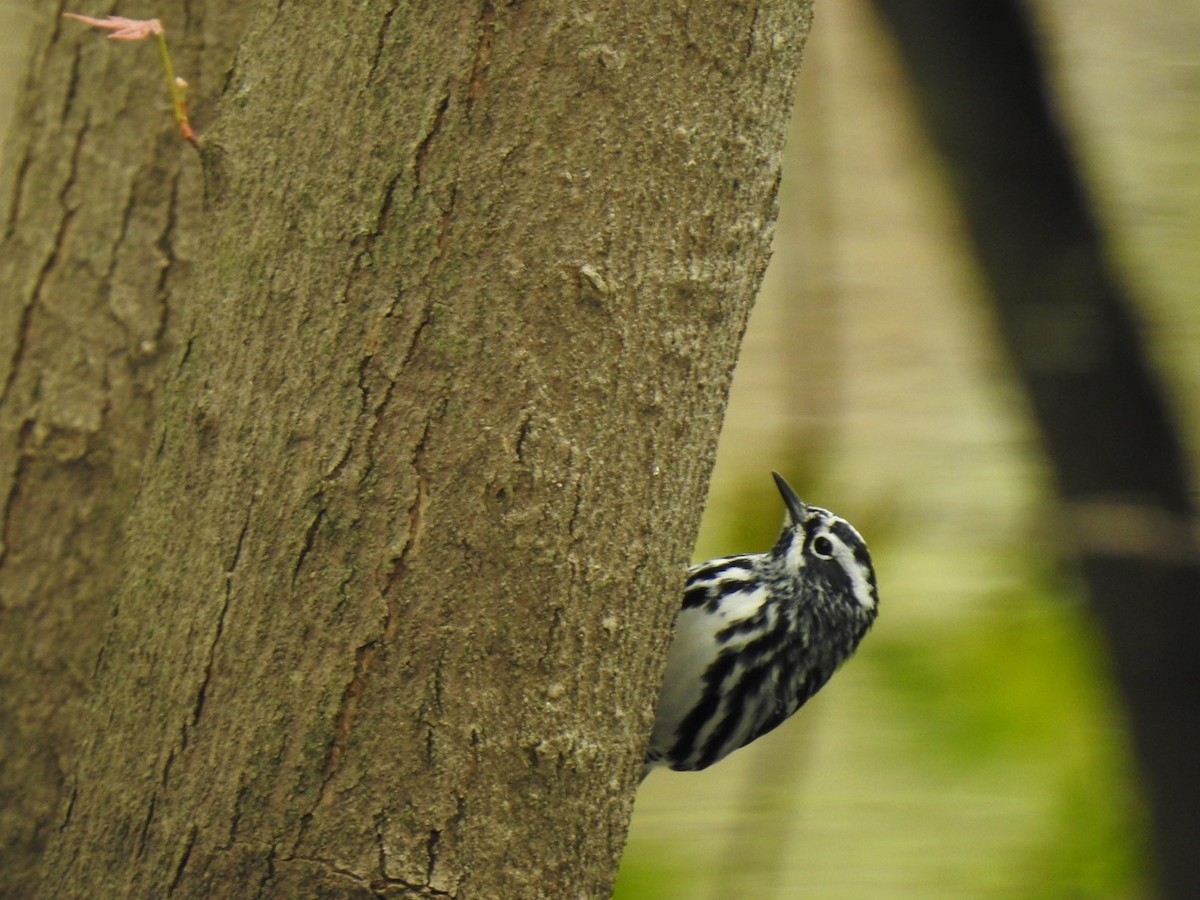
(100,204)
(445,363)
(1072,331)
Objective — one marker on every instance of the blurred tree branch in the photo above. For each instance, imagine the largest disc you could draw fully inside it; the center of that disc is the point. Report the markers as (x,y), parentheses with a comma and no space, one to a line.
(1073,335)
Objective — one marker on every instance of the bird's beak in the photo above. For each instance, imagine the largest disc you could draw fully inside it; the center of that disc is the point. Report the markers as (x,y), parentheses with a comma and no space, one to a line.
(795,506)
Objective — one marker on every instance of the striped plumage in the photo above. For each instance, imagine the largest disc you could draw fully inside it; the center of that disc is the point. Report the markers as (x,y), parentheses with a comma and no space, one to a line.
(760,634)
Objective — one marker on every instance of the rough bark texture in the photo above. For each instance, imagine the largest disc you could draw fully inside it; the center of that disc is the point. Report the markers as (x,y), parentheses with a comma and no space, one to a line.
(1073,334)
(444,368)
(99,201)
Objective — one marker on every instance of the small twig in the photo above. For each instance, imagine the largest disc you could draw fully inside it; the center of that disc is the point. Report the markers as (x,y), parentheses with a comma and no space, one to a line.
(122,29)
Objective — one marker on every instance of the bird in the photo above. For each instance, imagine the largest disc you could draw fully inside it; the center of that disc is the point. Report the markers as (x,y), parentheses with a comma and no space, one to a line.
(760,634)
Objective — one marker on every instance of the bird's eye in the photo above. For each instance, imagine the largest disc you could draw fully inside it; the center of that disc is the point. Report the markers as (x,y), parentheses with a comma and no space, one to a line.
(822,547)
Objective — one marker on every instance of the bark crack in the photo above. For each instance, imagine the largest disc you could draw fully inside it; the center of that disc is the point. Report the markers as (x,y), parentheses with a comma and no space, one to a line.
(70,808)
(379,842)
(72,86)
(347,713)
(426,316)
(483,55)
(10,502)
(269,876)
(385,209)
(365,655)
(380,43)
(364,659)
(202,693)
(127,211)
(10,225)
(167,249)
(431,850)
(24,323)
(421,154)
(383,887)
(309,537)
(183,861)
(434,843)
(144,834)
(416,523)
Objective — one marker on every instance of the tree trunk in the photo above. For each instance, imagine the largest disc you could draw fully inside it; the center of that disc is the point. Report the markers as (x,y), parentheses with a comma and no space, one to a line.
(440,397)
(100,203)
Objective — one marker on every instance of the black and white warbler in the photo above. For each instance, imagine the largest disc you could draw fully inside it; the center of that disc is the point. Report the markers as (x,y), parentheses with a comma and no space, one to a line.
(759,634)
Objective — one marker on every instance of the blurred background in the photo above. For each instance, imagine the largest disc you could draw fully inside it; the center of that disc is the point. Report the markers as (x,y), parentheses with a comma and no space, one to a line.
(977,745)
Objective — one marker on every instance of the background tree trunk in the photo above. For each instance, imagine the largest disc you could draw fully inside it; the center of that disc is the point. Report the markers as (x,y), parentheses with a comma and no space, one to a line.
(441,395)
(100,203)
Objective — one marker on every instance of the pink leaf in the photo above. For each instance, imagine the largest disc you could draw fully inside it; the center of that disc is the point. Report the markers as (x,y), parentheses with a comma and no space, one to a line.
(122,29)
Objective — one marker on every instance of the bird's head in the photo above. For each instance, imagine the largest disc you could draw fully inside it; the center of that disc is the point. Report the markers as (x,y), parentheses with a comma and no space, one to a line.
(824,552)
